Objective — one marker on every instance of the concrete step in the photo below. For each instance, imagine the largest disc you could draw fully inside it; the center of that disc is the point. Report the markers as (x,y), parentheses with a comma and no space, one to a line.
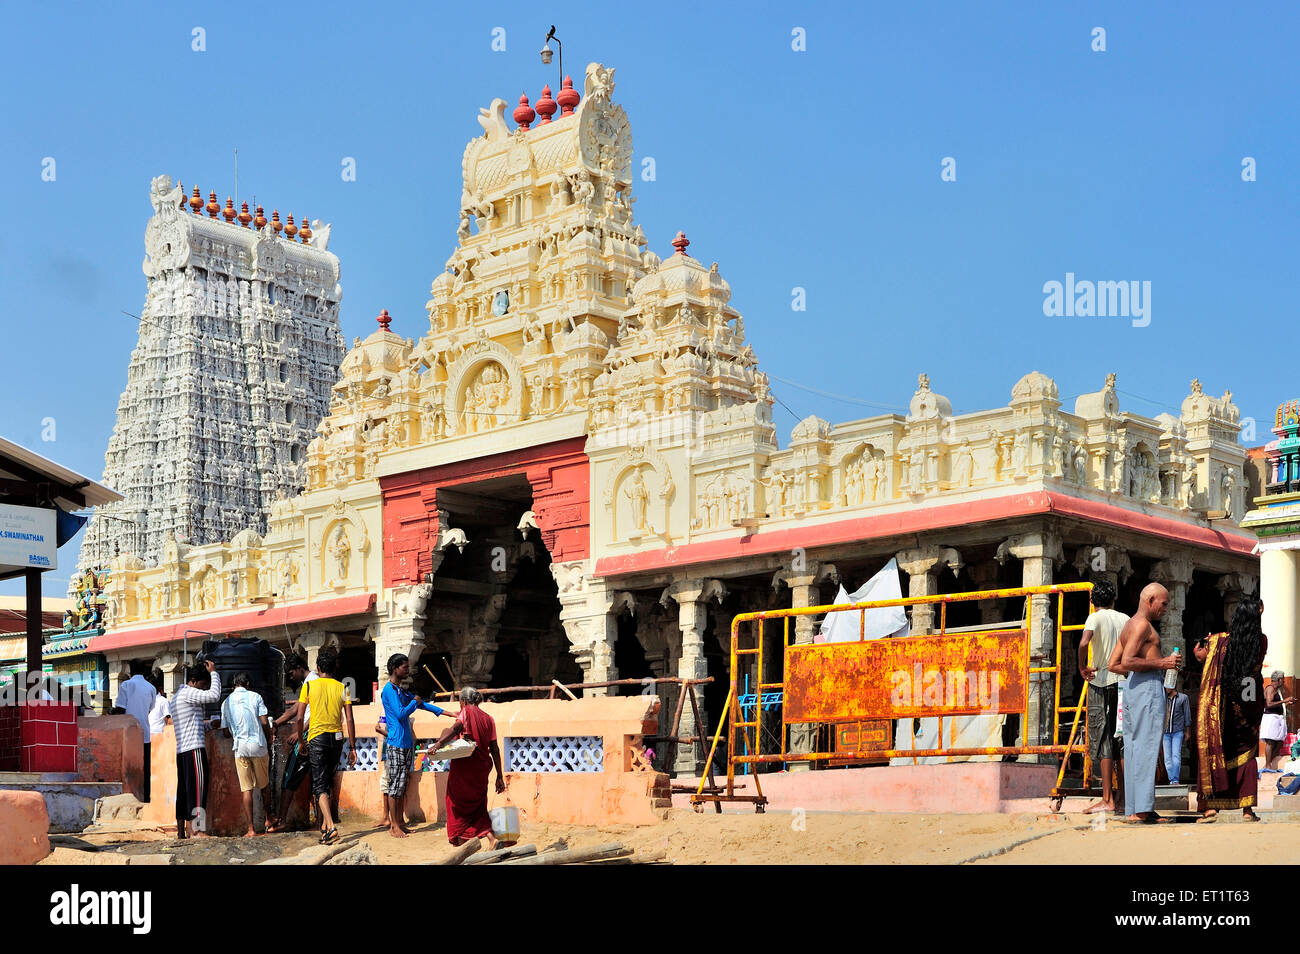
(69,804)
(118,809)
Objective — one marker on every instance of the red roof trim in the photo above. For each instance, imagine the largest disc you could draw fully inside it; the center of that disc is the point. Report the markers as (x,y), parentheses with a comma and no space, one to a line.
(923,519)
(235,622)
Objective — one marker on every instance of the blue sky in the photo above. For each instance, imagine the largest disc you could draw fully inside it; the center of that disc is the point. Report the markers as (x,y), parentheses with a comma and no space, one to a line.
(817,169)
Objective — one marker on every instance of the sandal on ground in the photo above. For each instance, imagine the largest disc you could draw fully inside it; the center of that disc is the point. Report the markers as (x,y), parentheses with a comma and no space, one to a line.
(329,837)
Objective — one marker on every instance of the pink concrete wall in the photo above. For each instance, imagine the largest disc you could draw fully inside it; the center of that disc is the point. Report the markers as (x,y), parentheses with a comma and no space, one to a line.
(958,788)
(24,828)
(109,749)
(617,795)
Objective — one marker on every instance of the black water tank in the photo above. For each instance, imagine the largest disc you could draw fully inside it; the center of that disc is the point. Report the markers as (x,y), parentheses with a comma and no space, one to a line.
(263,663)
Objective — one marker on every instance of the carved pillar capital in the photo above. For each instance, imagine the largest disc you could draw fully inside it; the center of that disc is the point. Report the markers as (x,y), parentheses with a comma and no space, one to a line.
(311,643)
(1174,571)
(1103,561)
(1034,545)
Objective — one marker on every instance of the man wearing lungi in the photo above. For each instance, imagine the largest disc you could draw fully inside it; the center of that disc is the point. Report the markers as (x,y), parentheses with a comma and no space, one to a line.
(1144,703)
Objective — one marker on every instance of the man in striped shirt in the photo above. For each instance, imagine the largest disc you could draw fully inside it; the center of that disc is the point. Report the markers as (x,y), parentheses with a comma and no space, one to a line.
(202,688)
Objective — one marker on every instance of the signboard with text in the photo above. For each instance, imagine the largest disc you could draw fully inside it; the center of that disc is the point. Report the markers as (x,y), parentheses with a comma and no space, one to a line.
(911,677)
(28,538)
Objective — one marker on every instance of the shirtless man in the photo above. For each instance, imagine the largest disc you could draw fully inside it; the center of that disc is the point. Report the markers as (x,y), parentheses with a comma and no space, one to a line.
(1144,702)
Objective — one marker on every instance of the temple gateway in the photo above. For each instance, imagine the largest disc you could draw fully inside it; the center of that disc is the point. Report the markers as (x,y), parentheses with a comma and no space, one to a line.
(571,471)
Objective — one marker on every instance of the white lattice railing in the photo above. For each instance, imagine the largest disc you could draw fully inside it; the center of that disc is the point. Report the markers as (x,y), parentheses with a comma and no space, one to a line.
(368,756)
(555,753)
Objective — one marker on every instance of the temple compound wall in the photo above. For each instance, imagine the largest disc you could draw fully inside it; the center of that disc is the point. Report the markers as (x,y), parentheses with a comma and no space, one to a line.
(573,472)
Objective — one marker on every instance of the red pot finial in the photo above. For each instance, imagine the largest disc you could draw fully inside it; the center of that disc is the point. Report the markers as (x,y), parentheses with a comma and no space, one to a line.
(213,206)
(384,320)
(244,217)
(259,220)
(304,230)
(546,106)
(524,114)
(568,98)
(681,242)
(276,224)
(290,230)
(196,201)
(229,213)
(183,200)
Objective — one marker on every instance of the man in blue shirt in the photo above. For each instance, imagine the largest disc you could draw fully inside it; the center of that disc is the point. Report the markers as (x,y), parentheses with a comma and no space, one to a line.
(399,748)
(244,715)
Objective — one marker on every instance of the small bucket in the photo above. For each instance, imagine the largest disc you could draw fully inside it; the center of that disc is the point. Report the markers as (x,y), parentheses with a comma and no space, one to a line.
(505,823)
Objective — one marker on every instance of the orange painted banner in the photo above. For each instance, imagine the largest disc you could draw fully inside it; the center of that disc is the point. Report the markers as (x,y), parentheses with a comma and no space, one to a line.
(912,677)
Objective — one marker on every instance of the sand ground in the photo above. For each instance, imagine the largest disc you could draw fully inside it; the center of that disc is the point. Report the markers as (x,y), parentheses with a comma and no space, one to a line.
(814,838)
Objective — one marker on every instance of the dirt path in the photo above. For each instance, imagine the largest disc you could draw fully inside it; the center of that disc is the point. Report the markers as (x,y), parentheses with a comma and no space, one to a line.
(813,838)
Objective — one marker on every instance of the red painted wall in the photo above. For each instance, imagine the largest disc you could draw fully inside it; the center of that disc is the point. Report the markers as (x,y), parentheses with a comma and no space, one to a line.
(49,737)
(560,476)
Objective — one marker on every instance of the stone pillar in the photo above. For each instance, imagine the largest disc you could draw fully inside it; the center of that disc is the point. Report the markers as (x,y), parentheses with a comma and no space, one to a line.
(922,565)
(1279,578)
(803,576)
(172,666)
(590,623)
(1038,552)
(1103,561)
(1176,575)
(311,643)
(403,630)
(691,597)
(1235,587)
(985,576)
(475,657)
(118,672)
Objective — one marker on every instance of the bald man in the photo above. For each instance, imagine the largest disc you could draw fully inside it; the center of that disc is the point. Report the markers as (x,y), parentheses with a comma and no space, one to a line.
(1144,702)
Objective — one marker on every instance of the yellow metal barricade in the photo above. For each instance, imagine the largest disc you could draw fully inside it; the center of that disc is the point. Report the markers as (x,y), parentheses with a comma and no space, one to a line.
(863,683)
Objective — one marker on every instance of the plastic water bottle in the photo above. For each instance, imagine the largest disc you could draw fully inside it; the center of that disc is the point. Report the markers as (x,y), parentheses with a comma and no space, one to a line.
(1171,675)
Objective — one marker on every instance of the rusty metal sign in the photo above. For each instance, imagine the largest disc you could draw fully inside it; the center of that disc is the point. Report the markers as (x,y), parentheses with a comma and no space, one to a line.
(911,677)
(860,741)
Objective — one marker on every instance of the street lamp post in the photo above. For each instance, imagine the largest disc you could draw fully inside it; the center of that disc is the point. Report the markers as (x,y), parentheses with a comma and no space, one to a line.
(547,53)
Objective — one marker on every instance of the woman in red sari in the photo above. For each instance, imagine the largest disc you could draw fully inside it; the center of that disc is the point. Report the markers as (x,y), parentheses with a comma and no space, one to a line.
(467,778)
(1228,715)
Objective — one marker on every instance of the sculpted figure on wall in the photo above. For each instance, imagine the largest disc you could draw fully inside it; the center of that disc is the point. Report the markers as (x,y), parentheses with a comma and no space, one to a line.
(963,467)
(640,497)
(341,550)
(484,398)
(1228,485)
(1080,458)
(1019,453)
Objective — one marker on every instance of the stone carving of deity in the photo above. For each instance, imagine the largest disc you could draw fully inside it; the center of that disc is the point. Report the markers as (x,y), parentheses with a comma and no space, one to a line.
(264,579)
(341,550)
(963,466)
(1019,453)
(1080,457)
(434,422)
(1189,483)
(853,478)
(915,471)
(1228,483)
(640,497)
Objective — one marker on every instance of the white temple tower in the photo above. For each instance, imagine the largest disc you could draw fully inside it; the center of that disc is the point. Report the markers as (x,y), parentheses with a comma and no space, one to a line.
(239,347)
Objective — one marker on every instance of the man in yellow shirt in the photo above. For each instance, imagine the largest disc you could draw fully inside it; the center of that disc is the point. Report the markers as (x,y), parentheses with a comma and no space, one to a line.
(330,708)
